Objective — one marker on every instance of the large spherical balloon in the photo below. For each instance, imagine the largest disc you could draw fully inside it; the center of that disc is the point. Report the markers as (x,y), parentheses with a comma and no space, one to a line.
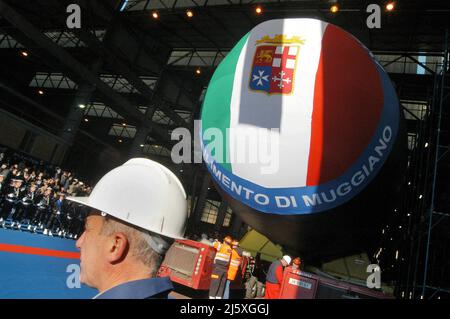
(298,124)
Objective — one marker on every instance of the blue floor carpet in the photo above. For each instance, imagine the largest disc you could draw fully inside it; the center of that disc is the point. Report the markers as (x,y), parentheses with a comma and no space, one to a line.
(25,275)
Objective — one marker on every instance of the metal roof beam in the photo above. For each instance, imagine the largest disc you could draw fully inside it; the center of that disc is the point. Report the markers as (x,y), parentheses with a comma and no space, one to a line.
(117,102)
(123,69)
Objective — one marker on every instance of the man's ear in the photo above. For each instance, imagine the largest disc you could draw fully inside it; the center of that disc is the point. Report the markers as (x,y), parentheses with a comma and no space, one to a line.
(118,247)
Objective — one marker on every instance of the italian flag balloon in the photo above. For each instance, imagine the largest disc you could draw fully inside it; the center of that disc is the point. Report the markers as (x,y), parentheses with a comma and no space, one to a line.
(298,118)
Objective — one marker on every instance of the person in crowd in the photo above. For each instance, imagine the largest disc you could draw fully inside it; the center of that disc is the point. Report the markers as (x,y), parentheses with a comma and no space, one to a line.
(233,268)
(220,268)
(275,277)
(5,170)
(63,178)
(2,182)
(73,188)
(296,263)
(29,205)
(68,180)
(57,211)
(14,195)
(43,209)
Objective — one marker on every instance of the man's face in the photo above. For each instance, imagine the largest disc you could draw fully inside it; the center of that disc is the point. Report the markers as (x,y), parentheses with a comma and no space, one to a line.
(93,250)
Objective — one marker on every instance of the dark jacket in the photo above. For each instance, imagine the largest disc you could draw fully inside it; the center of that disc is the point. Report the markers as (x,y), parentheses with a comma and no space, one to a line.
(153,288)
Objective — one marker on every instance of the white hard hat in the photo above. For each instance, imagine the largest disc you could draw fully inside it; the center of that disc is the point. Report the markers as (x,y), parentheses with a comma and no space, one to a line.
(287,259)
(143,193)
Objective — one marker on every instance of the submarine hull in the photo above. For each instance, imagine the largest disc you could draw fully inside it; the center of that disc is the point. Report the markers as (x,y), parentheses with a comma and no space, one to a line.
(326,114)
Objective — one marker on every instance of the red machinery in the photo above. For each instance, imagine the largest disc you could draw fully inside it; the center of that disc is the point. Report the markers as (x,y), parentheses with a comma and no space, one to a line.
(301,285)
(190,263)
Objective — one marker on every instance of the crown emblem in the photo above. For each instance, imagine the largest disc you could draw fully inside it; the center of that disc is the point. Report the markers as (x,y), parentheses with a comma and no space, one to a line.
(280,38)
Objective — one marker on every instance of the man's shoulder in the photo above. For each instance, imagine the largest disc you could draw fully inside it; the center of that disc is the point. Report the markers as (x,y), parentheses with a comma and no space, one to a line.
(276,263)
(140,289)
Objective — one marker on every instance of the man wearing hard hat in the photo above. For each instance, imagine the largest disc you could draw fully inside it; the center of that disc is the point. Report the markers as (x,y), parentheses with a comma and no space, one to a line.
(275,277)
(136,210)
(220,268)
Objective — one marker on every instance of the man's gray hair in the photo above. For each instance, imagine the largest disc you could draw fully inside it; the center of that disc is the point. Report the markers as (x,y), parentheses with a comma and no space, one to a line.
(148,248)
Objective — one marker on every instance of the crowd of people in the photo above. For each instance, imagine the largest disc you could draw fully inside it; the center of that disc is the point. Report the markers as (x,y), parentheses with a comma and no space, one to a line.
(33,197)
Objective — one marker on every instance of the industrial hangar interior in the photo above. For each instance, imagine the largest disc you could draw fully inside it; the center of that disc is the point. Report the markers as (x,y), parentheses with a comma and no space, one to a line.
(87,99)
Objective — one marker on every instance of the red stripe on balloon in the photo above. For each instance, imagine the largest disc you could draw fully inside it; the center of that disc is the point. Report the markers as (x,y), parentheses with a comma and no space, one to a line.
(348,101)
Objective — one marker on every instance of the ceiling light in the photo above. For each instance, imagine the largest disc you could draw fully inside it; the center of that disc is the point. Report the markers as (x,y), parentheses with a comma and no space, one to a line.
(155,15)
(24,53)
(189,13)
(86,120)
(258,10)
(334,8)
(40,92)
(81,106)
(120,141)
(390,6)
(198,71)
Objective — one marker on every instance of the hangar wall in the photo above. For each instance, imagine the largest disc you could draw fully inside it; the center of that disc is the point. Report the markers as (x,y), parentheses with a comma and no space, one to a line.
(23,136)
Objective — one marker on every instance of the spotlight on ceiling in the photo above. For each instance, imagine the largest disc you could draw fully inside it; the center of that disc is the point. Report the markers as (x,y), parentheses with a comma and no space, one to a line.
(334,8)
(155,15)
(189,13)
(258,10)
(390,6)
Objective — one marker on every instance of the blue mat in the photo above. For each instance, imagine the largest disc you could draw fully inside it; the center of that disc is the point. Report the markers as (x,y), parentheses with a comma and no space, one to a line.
(25,275)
